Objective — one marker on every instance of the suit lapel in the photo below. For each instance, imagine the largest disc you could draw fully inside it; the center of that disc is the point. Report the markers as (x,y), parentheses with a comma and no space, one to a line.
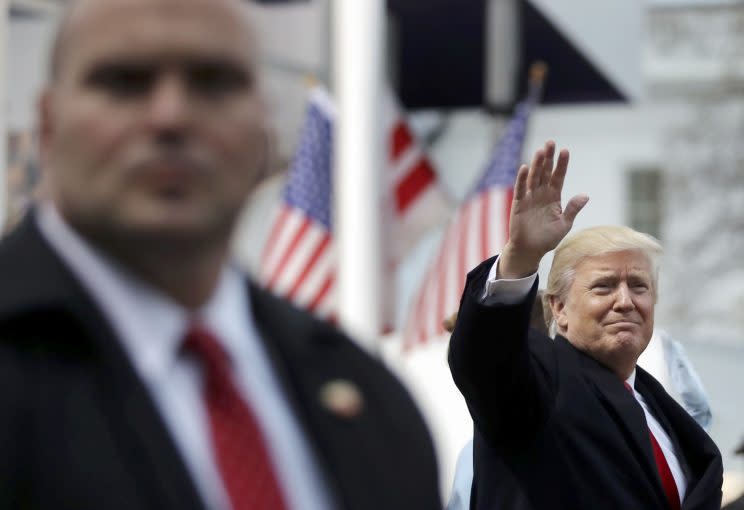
(146,443)
(307,358)
(288,345)
(36,283)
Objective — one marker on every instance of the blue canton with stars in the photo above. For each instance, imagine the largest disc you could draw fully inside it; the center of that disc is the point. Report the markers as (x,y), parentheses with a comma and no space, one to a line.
(308,186)
(506,156)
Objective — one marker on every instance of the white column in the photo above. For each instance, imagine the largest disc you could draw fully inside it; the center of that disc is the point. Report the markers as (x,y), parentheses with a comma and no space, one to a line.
(4,26)
(359,158)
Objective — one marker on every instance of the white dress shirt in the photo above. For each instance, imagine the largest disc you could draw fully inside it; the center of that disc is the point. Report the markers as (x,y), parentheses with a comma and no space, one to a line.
(151,328)
(507,292)
(663,439)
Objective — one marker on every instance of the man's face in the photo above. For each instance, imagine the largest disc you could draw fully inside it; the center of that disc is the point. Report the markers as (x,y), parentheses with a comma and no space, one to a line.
(609,308)
(153,126)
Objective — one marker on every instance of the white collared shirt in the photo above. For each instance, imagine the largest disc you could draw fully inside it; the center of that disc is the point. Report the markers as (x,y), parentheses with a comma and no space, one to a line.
(508,291)
(151,328)
(663,439)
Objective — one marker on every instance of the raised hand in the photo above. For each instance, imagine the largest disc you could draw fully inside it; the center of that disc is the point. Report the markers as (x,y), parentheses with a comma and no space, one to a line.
(538,222)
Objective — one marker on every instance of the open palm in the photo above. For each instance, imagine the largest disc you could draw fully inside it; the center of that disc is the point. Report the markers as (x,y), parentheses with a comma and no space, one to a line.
(538,221)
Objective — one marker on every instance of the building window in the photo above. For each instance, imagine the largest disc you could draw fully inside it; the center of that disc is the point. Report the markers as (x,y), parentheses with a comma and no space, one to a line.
(644,200)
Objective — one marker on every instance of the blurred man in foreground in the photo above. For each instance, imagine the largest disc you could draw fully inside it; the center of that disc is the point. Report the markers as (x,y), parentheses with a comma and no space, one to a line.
(138,369)
(572,423)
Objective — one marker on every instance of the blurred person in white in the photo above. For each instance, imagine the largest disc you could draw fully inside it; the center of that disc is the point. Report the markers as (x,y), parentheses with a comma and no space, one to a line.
(572,422)
(666,359)
(139,369)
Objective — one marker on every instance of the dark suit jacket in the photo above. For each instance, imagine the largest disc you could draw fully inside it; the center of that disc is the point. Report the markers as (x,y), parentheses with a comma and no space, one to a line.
(78,430)
(737,504)
(555,429)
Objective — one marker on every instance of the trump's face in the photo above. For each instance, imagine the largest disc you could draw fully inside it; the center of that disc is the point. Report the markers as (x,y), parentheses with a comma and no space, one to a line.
(608,311)
(153,125)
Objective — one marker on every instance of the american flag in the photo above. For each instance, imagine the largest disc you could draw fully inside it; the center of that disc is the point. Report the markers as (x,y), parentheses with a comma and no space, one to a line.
(414,195)
(299,259)
(478,230)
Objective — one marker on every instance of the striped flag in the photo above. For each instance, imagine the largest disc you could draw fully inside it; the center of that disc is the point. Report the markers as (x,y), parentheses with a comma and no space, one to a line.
(299,259)
(414,195)
(478,230)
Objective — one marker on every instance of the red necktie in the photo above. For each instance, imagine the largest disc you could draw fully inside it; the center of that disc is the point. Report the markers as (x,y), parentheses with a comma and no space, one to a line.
(239,447)
(667,479)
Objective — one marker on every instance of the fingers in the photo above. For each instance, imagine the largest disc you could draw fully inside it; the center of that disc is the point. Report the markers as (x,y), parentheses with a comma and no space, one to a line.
(573,207)
(535,173)
(559,175)
(541,171)
(520,184)
(547,167)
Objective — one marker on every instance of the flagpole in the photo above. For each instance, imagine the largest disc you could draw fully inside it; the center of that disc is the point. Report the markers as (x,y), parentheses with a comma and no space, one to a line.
(4,37)
(537,74)
(471,236)
(359,159)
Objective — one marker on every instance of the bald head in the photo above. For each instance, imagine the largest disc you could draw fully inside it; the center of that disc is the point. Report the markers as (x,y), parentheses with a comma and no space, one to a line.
(78,12)
(154,126)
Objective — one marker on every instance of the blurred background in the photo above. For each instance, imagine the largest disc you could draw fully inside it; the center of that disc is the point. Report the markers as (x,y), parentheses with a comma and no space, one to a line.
(647,95)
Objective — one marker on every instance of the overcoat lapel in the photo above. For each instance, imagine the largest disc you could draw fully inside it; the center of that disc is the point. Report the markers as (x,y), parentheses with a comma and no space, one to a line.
(626,412)
(701,459)
(641,385)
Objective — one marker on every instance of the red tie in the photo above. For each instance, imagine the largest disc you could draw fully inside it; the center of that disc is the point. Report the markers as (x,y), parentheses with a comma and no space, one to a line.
(239,447)
(667,480)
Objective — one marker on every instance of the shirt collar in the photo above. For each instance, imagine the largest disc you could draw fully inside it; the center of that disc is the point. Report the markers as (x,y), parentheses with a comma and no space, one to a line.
(631,380)
(149,324)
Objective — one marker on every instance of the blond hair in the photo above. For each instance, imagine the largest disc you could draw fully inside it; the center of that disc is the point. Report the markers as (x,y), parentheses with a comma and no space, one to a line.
(597,241)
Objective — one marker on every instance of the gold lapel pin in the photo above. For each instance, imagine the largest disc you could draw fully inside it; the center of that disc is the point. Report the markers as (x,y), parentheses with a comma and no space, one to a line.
(342,398)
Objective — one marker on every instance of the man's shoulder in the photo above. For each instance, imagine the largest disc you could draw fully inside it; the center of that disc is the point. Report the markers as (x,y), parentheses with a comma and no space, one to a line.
(278,317)
(32,276)
(318,343)
(323,363)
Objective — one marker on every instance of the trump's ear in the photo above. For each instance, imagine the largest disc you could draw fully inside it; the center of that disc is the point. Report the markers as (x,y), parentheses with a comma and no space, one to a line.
(558,308)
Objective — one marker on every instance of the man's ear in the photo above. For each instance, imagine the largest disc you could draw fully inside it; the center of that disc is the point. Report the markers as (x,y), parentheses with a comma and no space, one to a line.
(45,112)
(558,308)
